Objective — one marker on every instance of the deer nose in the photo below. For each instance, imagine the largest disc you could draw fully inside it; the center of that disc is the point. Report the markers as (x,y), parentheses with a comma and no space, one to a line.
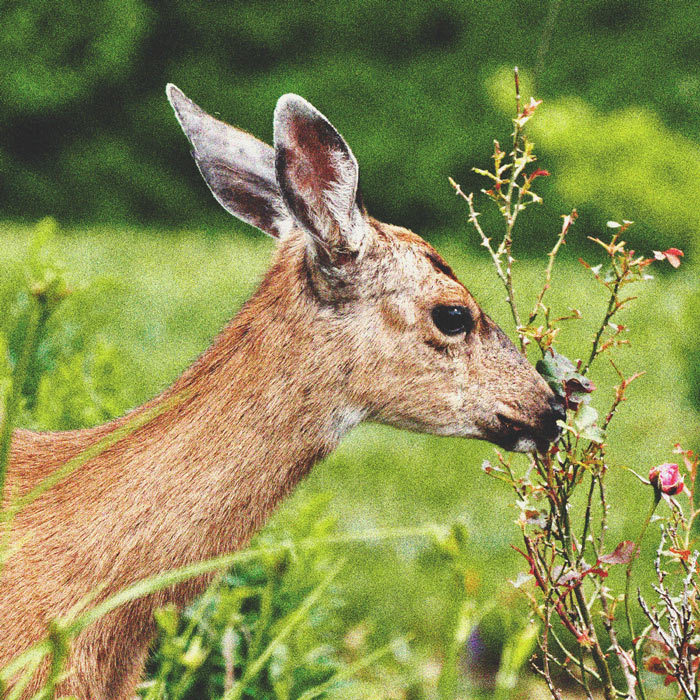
(558,407)
(557,413)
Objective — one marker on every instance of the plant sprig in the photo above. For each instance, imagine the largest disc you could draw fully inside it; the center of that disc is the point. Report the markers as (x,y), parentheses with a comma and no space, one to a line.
(567,558)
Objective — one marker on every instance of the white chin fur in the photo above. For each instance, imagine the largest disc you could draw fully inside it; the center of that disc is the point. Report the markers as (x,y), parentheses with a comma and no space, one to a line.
(524,444)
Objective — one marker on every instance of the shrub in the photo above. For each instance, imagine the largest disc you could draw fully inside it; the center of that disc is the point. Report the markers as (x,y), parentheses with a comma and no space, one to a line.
(568,559)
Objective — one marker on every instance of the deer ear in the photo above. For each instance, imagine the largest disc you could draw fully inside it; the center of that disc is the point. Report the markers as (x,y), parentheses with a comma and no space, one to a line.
(238,169)
(318,177)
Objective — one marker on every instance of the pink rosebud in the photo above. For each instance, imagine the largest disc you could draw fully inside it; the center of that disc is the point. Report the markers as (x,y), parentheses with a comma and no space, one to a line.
(667,478)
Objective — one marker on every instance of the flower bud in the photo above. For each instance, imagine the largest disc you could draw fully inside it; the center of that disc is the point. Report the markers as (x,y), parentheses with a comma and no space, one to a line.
(667,479)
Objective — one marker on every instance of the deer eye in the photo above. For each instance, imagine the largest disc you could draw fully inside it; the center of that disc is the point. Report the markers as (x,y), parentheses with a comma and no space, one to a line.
(452,320)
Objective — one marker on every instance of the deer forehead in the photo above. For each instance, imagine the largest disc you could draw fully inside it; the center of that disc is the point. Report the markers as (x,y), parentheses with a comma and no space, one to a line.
(411,267)
(406,278)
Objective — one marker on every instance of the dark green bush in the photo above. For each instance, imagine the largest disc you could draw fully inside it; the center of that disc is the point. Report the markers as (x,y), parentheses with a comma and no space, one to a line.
(87,133)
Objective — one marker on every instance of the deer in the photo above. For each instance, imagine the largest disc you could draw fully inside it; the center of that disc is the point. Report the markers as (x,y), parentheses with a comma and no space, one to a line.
(355,320)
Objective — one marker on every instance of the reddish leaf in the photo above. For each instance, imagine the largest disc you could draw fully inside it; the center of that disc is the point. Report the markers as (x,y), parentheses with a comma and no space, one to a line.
(569,578)
(538,173)
(655,664)
(674,260)
(584,640)
(530,108)
(673,255)
(572,579)
(578,385)
(622,555)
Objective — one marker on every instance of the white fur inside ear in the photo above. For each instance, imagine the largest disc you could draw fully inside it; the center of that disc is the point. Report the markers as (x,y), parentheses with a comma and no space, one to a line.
(337,211)
(318,176)
(339,197)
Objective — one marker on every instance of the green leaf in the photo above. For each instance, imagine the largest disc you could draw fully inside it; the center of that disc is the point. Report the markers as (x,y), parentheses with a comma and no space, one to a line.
(195,655)
(561,375)
(554,366)
(585,417)
(594,434)
(167,620)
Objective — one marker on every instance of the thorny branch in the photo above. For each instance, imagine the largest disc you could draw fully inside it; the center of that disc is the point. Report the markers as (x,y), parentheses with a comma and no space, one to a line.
(566,551)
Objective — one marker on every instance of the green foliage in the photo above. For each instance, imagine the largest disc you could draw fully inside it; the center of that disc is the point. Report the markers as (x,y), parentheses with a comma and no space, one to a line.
(83,389)
(44,291)
(624,161)
(70,381)
(273,629)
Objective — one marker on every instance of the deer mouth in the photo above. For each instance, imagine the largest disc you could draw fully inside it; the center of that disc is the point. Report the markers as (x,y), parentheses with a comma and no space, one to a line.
(517,436)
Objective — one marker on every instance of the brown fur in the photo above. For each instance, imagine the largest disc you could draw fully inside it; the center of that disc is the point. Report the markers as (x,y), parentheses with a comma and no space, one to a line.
(312,353)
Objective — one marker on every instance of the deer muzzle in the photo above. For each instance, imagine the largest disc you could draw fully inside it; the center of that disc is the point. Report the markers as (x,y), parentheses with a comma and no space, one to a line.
(519,436)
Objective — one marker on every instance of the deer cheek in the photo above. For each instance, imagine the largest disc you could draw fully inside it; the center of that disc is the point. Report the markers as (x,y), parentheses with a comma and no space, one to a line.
(397,316)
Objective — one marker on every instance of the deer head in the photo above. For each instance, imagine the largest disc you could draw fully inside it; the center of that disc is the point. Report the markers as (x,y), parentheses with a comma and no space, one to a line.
(415,348)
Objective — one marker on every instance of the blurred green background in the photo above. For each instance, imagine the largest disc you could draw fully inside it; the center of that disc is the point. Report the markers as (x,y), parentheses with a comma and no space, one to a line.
(419,90)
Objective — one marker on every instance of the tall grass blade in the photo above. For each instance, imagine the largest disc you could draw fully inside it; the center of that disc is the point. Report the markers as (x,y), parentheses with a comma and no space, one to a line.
(292,621)
(348,672)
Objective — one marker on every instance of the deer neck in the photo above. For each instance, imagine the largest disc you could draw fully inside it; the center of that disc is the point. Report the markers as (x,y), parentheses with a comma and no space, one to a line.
(232,436)
(261,406)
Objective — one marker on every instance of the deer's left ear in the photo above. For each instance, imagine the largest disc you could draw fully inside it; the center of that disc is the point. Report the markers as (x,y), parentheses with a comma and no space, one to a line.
(318,176)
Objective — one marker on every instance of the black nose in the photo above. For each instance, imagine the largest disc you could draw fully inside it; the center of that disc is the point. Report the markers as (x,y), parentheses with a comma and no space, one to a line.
(558,407)
(558,412)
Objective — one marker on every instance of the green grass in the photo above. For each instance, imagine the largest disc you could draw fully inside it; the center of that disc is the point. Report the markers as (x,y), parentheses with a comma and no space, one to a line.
(159,298)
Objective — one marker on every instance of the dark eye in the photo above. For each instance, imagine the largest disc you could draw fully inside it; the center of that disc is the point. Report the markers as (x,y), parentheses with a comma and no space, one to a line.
(452,320)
